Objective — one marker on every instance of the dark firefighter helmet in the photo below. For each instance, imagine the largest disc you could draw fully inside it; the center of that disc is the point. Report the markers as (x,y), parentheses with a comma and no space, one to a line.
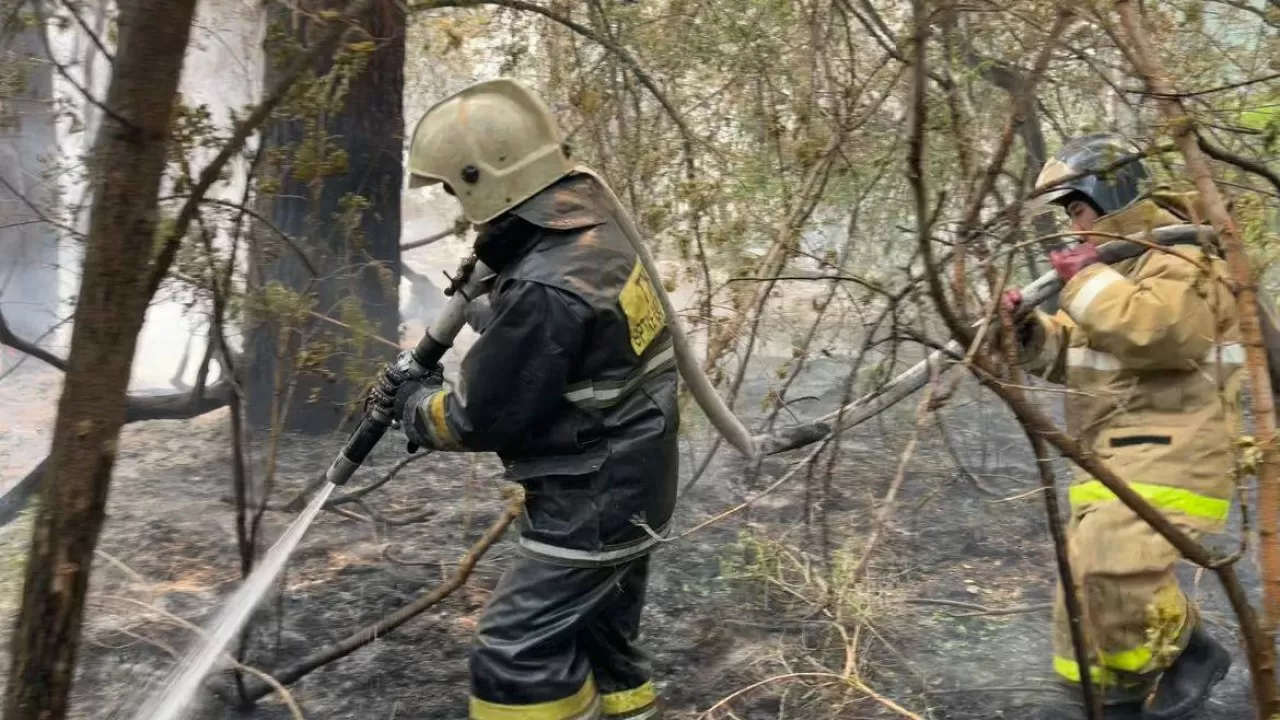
(1106,191)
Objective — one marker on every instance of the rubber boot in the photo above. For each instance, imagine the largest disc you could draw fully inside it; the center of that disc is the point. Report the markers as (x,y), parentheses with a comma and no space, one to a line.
(1185,686)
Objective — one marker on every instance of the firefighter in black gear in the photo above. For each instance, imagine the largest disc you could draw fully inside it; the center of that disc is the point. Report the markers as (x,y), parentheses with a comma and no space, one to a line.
(573,384)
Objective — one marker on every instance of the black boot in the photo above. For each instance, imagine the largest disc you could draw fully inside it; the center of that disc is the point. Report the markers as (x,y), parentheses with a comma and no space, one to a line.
(1185,686)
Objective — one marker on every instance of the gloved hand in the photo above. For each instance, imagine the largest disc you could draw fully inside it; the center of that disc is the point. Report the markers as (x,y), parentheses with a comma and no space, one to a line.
(409,397)
(1069,262)
(1010,301)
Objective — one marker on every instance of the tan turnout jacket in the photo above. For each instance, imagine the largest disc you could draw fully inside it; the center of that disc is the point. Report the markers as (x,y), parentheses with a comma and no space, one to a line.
(1150,352)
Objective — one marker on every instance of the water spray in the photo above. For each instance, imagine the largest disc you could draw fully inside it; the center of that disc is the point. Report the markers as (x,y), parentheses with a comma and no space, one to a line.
(181,686)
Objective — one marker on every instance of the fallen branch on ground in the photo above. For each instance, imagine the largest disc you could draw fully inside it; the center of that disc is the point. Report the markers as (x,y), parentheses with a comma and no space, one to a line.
(366,635)
(285,695)
(170,406)
(850,680)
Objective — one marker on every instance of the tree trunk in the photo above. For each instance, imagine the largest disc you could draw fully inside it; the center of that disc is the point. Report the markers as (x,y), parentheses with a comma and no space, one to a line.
(29,261)
(128,161)
(359,262)
(1183,129)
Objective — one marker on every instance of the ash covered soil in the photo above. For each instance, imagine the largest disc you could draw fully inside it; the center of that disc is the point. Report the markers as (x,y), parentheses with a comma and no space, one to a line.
(951,622)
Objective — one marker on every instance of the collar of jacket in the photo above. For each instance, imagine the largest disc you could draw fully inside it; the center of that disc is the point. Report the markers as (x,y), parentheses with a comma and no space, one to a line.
(1139,216)
(504,240)
(1160,208)
(572,203)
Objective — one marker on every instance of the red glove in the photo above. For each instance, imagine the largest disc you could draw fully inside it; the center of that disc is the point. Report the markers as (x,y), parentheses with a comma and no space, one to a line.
(1069,262)
(1011,299)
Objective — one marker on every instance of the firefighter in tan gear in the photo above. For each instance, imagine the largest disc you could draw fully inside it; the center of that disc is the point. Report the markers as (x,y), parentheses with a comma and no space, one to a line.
(1149,350)
(573,384)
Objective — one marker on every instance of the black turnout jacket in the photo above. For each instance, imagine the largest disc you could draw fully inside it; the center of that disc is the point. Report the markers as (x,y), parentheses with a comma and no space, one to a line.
(572,382)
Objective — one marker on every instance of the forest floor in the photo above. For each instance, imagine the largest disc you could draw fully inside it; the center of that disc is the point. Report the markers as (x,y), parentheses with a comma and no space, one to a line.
(731,605)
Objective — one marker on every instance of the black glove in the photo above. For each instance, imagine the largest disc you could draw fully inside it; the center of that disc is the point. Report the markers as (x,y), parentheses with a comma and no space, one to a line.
(410,394)
(1027,334)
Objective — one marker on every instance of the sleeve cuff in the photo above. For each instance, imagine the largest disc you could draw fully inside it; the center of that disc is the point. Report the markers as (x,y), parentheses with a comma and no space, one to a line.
(1083,289)
(434,425)
(1042,348)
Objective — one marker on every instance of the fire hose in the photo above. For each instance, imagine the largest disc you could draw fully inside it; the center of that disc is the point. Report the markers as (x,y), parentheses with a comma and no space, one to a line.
(467,285)
(472,277)
(1047,286)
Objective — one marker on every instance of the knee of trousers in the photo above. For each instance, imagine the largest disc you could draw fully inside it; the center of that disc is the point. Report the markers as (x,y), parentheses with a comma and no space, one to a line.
(1134,626)
(508,680)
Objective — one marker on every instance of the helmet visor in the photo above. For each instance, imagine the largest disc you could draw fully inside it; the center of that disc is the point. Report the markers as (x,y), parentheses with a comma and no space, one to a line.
(419,181)
(1050,197)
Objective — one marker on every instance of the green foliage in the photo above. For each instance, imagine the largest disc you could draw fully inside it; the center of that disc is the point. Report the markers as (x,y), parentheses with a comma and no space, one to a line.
(777,569)
(279,304)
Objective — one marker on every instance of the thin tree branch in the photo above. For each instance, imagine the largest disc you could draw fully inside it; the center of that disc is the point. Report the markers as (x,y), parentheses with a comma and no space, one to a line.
(459,227)
(8,338)
(324,45)
(74,9)
(1066,577)
(366,635)
(66,75)
(1252,166)
(1197,93)
(288,240)
(620,52)
(40,214)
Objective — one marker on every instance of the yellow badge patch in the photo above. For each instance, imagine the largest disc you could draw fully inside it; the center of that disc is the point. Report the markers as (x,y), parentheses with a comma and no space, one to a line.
(642,307)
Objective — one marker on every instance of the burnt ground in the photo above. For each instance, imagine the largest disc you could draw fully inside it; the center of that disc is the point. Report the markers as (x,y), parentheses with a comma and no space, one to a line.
(730,605)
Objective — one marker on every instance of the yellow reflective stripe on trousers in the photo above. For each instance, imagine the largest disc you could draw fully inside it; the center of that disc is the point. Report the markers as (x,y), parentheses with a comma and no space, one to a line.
(1070,670)
(1162,497)
(625,702)
(580,705)
(1127,660)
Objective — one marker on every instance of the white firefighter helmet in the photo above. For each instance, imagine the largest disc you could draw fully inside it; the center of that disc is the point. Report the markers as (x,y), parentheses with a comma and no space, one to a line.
(494,144)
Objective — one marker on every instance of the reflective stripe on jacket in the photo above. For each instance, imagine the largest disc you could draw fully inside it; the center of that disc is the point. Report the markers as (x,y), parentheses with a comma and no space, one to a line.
(1150,352)
(572,382)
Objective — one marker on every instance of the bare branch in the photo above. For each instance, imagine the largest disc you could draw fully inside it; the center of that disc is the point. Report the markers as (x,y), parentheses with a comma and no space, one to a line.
(8,338)
(74,9)
(266,222)
(1207,91)
(617,50)
(366,635)
(324,45)
(459,227)
(1251,166)
(66,75)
